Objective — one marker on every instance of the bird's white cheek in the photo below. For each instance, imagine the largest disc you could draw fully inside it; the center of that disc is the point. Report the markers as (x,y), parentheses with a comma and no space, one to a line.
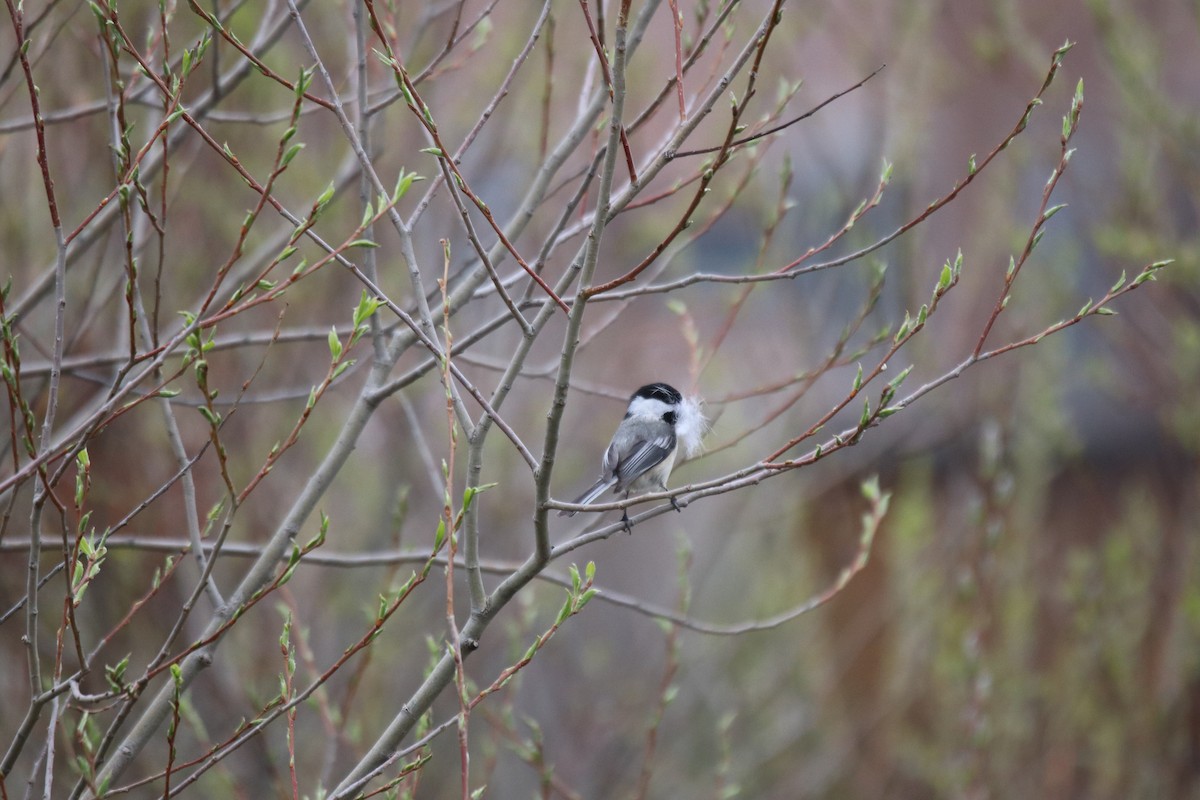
(647,407)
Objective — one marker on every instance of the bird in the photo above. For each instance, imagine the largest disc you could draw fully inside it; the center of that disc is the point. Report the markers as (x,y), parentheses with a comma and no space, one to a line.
(658,423)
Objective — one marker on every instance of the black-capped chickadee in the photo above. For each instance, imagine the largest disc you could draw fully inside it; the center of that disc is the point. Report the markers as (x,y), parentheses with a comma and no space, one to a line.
(658,423)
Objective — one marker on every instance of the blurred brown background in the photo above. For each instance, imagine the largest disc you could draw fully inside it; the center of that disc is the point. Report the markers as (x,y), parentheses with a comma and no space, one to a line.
(1029,622)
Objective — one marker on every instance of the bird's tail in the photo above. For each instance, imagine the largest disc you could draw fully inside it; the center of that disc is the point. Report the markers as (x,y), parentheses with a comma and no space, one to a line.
(598,488)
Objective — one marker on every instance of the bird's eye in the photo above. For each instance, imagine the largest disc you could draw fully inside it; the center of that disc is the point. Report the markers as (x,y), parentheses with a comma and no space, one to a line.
(669,417)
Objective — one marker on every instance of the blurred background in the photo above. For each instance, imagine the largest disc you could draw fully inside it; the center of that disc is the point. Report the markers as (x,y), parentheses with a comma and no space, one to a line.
(1028,624)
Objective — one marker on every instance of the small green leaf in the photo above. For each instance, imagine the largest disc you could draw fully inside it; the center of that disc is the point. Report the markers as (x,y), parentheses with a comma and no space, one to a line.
(366,307)
(303,82)
(403,181)
(587,595)
(290,569)
(945,278)
(1055,174)
(895,382)
(1148,274)
(115,674)
(341,367)
(858,210)
(1050,212)
(335,344)
(325,196)
(471,491)
(290,153)
(565,611)
(319,539)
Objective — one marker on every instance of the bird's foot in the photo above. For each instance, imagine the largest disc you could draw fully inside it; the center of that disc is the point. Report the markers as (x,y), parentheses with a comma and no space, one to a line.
(675,505)
(625,523)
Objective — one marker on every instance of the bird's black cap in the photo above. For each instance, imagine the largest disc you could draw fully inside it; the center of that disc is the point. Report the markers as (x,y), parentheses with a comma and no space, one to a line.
(659,391)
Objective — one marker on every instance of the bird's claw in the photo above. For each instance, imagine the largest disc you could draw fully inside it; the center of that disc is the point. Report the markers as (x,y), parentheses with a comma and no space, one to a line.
(675,505)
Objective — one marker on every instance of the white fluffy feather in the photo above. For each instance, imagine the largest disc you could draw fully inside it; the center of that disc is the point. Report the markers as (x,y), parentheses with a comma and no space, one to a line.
(691,427)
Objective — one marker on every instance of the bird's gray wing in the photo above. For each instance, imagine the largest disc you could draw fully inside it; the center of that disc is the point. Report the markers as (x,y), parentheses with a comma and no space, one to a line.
(644,458)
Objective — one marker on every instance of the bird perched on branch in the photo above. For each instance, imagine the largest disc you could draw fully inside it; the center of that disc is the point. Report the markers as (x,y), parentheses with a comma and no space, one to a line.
(658,423)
